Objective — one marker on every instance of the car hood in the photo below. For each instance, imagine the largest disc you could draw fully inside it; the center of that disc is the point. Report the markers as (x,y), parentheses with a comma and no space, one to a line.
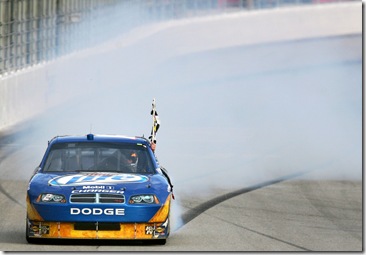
(74,185)
(106,182)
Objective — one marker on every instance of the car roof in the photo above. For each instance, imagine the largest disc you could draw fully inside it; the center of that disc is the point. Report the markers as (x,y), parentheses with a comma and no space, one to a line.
(99,138)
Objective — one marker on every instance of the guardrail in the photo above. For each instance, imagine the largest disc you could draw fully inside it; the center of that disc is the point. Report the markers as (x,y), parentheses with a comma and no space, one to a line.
(35,31)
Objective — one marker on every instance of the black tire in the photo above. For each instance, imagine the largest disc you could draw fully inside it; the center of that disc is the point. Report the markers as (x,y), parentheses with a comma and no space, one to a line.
(26,232)
(160,241)
(29,240)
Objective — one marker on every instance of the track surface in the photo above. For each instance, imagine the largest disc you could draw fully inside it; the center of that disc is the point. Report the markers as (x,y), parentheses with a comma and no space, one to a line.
(237,187)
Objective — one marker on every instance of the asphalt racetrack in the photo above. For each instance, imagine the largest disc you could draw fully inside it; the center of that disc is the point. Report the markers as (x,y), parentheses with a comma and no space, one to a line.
(263,143)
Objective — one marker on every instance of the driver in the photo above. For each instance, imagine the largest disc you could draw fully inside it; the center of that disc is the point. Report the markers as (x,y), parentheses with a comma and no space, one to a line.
(132,160)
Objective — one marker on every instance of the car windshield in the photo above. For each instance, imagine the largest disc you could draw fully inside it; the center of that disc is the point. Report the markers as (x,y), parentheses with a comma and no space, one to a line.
(96,157)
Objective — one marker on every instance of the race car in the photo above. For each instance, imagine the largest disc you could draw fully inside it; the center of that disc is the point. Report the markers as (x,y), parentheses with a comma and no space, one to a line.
(99,187)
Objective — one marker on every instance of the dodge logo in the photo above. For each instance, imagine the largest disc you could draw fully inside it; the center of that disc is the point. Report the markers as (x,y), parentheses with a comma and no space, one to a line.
(97,211)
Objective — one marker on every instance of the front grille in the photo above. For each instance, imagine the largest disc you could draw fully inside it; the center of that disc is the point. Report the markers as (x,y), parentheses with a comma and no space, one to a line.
(111,198)
(97,198)
(100,226)
(83,198)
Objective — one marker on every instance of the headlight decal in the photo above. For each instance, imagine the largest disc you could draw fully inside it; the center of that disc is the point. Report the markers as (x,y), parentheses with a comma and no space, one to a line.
(51,198)
(144,199)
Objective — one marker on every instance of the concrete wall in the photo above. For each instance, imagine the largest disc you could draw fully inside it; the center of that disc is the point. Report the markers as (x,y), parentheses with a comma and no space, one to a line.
(27,93)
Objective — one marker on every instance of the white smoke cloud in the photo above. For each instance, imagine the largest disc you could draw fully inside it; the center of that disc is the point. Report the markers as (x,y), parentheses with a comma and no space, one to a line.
(230,117)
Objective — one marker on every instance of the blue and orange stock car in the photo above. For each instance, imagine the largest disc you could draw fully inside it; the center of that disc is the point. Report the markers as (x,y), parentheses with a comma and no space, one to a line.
(99,187)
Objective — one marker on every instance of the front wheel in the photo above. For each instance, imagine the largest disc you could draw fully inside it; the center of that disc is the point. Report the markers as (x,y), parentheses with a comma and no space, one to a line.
(27,232)
(160,241)
(155,242)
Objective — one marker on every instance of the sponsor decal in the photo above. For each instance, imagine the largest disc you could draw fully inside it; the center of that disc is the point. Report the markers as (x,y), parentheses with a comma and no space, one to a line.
(78,191)
(96,189)
(95,179)
(38,229)
(98,211)
(157,231)
(149,230)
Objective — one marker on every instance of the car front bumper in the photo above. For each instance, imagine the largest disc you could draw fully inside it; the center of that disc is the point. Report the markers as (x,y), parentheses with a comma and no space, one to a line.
(98,230)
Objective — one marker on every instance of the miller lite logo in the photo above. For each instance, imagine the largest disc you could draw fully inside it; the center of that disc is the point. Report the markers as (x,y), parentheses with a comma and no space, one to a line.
(96,179)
